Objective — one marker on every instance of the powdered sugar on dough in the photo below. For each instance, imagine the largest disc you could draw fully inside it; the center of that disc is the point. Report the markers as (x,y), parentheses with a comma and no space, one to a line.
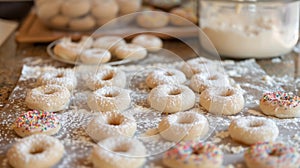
(247,74)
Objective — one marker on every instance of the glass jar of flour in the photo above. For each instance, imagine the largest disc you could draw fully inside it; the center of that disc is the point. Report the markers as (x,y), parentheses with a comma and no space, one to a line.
(250,28)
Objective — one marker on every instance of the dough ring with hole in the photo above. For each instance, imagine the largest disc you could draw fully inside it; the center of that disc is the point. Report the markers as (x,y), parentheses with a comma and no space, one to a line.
(48,98)
(171,98)
(109,98)
(37,150)
(183,126)
(272,154)
(250,130)
(110,124)
(119,152)
(222,100)
(192,154)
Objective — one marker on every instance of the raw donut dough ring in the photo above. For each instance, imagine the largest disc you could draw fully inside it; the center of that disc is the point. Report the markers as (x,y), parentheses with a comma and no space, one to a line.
(50,98)
(86,42)
(128,152)
(62,77)
(105,9)
(222,100)
(250,130)
(182,17)
(130,51)
(37,122)
(171,98)
(183,126)
(192,154)
(95,56)
(280,104)
(36,151)
(269,154)
(110,124)
(82,24)
(150,42)
(48,9)
(108,20)
(199,82)
(60,21)
(152,19)
(109,42)
(165,4)
(67,50)
(165,76)
(127,7)
(109,98)
(107,77)
(200,65)
(75,8)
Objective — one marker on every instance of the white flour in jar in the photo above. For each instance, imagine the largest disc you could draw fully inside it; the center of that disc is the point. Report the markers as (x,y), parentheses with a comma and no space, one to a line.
(244,36)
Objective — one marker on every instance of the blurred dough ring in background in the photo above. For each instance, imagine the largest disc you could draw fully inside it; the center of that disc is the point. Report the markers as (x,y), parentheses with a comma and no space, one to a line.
(110,124)
(85,23)
(48,9)
(199,82)
(95,56)
(37,122)
(152,19)
(165,76)
(119,152)
(127,7)
(86,42)
(75,8)
(183,126)
(130,51)
(272,154)
(171,98)
(107,77)
(165,4)
(109,42)
(60,21)
(222,100)
(280,104)
(150,42)
(67,50)
(250,130)
(182,17)
(103,21)
(105,9)
(48,98)
(62,77)
(199,65)
(192,154)
(36,151)
(109,98)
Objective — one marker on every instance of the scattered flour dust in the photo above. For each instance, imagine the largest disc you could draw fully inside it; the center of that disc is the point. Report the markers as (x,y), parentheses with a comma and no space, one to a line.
(246,74)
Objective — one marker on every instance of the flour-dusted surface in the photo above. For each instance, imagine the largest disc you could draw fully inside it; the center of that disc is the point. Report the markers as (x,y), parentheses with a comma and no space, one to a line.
(245,74)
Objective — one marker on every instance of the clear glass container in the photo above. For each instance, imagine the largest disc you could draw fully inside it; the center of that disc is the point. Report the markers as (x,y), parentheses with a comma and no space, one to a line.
(250,28)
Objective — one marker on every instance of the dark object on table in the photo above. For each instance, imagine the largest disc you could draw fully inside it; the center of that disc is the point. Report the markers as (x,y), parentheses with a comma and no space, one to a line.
(14,10)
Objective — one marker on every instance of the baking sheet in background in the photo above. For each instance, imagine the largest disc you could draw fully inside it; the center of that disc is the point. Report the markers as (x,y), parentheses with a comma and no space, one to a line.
(33,31)
(247,74)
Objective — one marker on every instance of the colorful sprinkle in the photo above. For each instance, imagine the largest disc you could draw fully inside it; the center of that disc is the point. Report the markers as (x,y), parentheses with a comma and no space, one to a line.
(192,151)
(265,152)
(283,99)
(35,119)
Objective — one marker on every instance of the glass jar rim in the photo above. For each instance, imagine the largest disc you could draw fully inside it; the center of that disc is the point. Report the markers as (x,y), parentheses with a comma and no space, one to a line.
(254,1)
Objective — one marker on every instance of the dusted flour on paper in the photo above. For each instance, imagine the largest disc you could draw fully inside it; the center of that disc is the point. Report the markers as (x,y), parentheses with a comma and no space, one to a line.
(245,74)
